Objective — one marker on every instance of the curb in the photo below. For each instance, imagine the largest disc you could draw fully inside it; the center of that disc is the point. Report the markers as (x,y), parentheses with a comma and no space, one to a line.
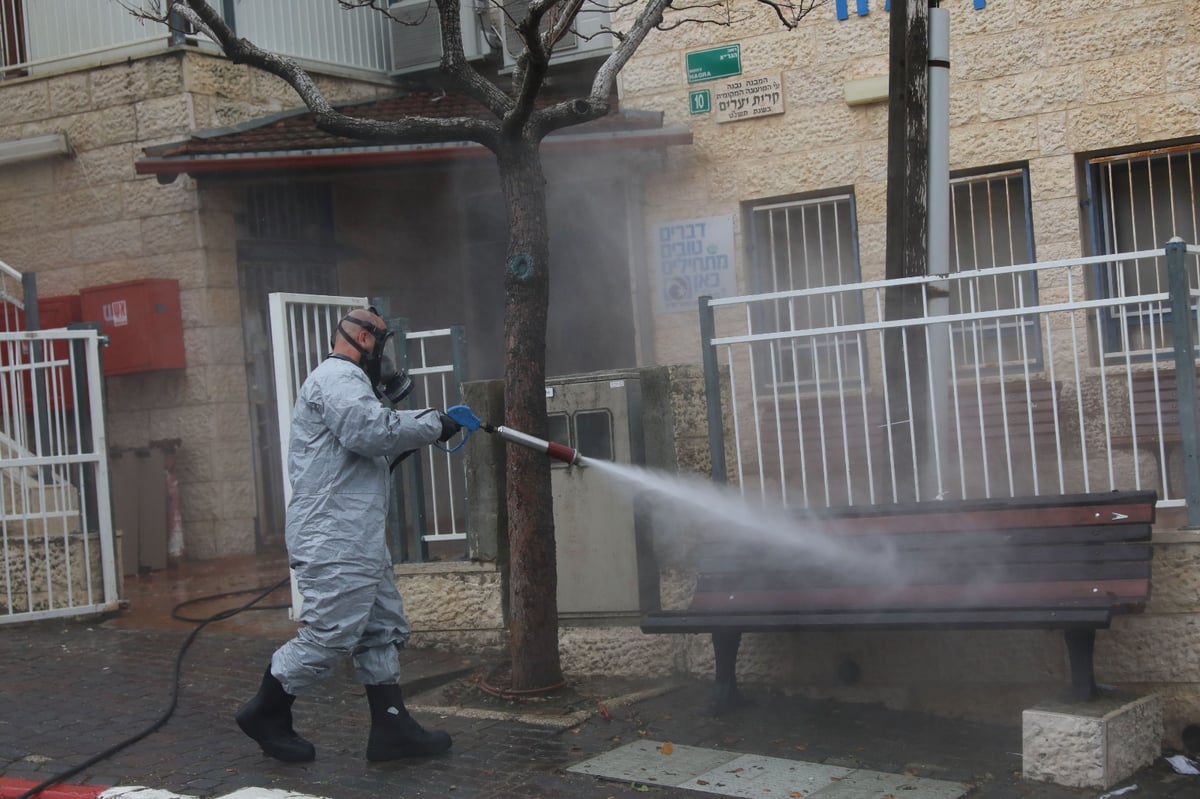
(559,723)
(11,788)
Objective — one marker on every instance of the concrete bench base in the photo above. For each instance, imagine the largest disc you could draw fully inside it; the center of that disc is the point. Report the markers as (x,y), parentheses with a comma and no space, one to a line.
(1093,744)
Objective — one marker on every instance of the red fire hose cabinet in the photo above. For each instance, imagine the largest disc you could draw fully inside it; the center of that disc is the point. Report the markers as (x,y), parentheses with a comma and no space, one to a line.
(143,322)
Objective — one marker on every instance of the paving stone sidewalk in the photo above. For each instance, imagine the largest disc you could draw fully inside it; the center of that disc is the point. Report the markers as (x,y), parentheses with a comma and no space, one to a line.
(69,689)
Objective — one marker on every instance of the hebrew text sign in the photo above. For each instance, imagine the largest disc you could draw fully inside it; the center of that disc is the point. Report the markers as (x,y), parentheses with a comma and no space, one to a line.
(748,98)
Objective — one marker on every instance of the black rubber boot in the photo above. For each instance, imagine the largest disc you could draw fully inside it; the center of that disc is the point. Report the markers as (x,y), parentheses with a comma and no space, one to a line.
(267,718)
(394,733)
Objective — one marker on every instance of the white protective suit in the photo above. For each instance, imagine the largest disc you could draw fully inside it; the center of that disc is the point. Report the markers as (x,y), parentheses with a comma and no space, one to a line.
(341,442)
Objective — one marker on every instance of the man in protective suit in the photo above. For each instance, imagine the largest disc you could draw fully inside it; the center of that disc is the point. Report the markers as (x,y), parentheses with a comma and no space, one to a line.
(342,440)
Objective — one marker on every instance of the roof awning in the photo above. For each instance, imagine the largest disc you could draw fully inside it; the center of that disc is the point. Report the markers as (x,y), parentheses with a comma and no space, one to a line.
(292,142)
(375,155)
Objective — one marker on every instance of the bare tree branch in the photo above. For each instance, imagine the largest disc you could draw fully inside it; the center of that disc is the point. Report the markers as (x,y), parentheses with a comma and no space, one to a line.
(532,65)
(562,23)
(790,13)
(412,129)
(545,25)
(596,104)
(454,63)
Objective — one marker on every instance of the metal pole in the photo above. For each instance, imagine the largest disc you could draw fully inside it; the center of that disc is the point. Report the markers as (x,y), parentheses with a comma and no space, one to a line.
(397,511)
(712,390)
(87,438)
(938,294)
(38,373)
(1185,374)
(418,549)
(458,358)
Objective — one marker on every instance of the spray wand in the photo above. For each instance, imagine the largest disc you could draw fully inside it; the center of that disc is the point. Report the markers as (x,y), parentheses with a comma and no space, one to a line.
(470,423)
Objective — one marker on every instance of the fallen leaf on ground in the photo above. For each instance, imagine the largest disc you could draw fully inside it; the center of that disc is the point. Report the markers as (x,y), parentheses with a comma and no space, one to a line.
(796,795)
(666,748)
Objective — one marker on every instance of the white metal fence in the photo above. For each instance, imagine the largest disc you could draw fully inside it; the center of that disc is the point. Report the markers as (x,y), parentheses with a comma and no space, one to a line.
(56,539)
(1069,388)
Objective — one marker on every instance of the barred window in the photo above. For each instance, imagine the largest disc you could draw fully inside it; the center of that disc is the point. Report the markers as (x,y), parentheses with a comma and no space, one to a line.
(805,244)
(990,227)
(1139,201)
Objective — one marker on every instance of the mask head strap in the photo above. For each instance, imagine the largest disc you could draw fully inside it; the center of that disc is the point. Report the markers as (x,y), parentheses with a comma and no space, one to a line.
(381,334)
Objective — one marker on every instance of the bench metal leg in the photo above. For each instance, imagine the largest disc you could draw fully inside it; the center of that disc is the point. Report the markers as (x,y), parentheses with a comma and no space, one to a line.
(1081,645)
(725,647)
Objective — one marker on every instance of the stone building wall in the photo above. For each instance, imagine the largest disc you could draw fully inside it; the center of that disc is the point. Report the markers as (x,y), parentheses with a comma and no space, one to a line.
(89,220)
(1031,82)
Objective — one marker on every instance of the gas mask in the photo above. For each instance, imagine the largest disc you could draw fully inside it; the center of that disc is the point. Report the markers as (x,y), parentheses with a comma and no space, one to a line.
(394,385)
(387,381)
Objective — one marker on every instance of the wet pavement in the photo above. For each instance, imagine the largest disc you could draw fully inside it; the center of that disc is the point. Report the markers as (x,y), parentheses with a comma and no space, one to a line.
(70,689)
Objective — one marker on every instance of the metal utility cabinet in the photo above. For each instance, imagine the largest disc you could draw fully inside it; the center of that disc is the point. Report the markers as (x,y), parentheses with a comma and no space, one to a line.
(138,479)
(601,416)
(143,322)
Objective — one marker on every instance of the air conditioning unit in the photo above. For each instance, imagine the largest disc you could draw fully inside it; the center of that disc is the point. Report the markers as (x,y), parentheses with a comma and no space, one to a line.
(417,45)
(587,38)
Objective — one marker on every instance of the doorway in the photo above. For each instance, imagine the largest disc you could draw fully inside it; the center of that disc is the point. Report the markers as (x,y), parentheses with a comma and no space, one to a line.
(285,244)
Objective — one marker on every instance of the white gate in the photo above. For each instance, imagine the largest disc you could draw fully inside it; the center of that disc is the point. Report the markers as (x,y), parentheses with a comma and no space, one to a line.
(56,538)
(302,329)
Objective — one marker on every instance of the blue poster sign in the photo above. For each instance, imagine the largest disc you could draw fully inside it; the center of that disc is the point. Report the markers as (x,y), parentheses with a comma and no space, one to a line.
(695,257)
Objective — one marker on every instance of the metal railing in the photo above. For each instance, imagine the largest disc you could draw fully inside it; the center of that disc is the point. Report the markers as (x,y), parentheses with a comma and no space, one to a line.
(44,36)
(1034,398)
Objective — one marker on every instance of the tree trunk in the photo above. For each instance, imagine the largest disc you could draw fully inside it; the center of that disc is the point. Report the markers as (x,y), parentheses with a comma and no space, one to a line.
(907,234)
(533,578)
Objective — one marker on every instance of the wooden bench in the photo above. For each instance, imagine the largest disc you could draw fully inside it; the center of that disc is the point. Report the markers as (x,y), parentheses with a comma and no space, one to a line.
(1058,562)
(1012,409)
(1149,403)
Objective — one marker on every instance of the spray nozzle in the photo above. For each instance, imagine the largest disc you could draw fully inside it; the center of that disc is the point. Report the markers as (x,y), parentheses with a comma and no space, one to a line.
(470,422)
(466,418)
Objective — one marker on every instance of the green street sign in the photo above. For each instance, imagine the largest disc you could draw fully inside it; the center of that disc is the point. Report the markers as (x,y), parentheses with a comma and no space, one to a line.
(699,101)
(716,62)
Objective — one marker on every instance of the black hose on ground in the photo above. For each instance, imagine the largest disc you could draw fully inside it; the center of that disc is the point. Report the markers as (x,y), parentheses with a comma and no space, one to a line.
(201,623)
